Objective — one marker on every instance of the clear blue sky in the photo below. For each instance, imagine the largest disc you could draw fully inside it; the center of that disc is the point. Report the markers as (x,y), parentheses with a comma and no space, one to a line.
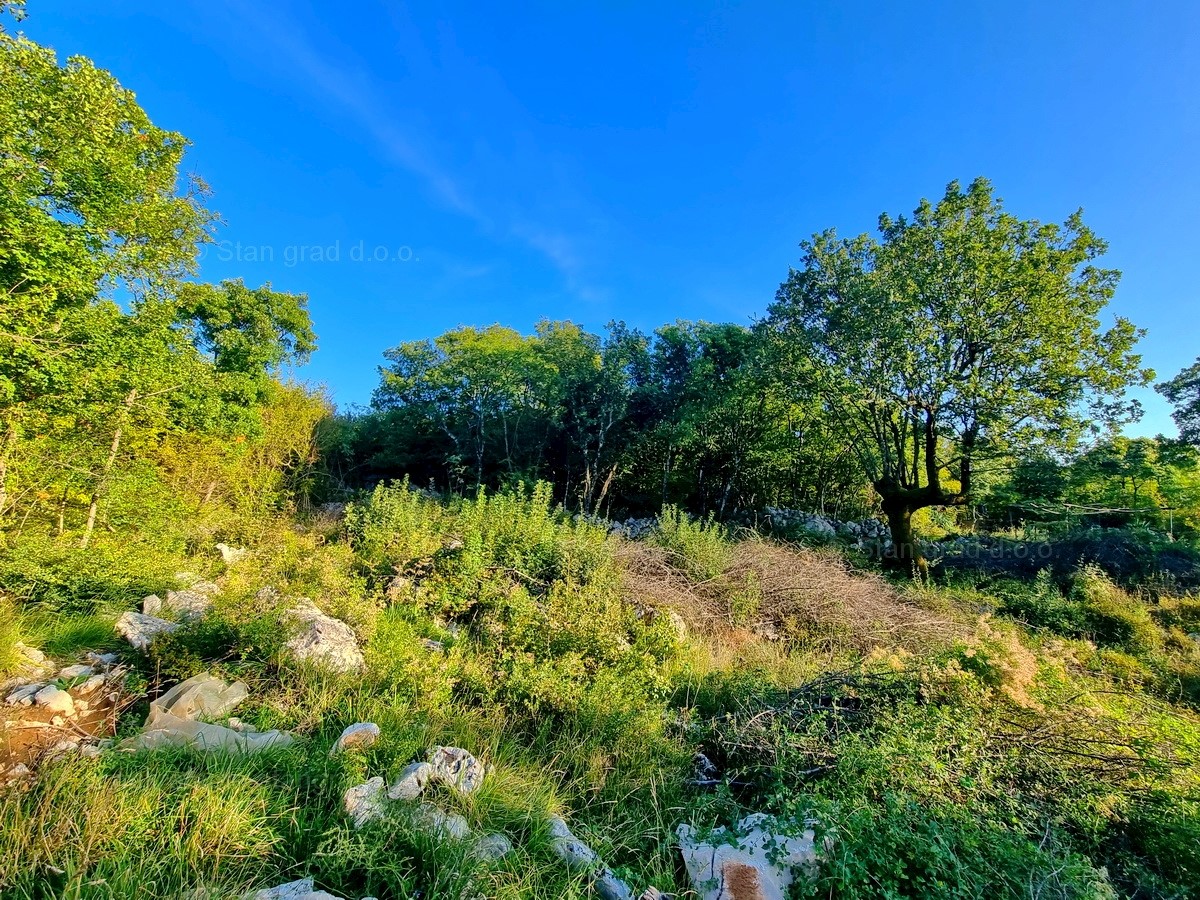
(650,162)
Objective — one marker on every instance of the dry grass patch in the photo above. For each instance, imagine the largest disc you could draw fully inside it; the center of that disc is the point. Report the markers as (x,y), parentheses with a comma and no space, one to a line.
(776,592)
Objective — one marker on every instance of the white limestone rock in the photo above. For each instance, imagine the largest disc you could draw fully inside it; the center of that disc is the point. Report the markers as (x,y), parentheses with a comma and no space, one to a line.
(412,782)
(55,700)
(449,825)
(293,890)
(758,860)
(23,695)
(365,802)
(77,671)
(358,736)
(231,555)
(141,630)
(492,847)
(188,605)
(323,641)
(456,768)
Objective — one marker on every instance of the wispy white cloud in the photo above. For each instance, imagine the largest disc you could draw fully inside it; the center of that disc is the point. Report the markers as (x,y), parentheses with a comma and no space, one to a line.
(353,91)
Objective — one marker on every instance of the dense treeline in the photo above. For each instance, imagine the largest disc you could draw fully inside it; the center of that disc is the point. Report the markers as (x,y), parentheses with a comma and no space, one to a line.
(949,364)
(622,422)
(694,415)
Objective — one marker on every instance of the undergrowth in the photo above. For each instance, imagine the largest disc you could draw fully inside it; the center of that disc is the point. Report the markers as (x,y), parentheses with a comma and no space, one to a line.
(944,751)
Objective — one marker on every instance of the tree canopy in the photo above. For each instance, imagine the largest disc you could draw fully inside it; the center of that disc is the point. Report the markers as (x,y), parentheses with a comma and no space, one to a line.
(962,334)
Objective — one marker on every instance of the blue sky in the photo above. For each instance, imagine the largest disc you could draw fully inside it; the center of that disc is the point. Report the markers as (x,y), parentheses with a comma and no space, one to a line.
(413,168)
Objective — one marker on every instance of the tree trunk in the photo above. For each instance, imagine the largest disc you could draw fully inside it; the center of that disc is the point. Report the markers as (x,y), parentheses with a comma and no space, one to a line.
(604,490)
(61,522)
(10,443)
(905,555)
(102,481)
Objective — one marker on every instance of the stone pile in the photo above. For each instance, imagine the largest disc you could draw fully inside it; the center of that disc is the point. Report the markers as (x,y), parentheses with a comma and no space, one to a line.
(49,711)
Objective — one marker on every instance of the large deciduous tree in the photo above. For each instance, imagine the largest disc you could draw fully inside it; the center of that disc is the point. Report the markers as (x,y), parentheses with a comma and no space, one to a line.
(962,334)
(104,349)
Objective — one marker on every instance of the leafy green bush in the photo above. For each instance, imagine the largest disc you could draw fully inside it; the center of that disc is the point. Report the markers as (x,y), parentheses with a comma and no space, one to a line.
(1041,604)
(1178,612)
(536,596)
(899,846)
(1114,618)
(700,547)
(217,644)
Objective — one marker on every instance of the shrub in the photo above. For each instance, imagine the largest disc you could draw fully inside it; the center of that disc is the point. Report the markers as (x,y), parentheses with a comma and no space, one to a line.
(699,547)
(60,577)
(1113,617)
(900,847)
(996,656)
(1178,612)
(1040,604)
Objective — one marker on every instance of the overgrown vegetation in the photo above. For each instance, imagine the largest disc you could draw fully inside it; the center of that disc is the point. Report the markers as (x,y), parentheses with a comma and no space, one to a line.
(944,754)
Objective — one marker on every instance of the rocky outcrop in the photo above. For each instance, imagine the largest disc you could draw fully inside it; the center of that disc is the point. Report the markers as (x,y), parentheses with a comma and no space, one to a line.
(412,782)
(55,700)
(295,890)
(231,555)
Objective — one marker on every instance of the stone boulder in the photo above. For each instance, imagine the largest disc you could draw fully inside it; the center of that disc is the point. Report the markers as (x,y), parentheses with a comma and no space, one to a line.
(412,782)
(358,736)
(448,825)
(579,857)
(55,700)
(294,890)
(23,695)
(322,640)
(492,847)
(758,860)
(141,629)
(230,555)
(456,768)
(365,802)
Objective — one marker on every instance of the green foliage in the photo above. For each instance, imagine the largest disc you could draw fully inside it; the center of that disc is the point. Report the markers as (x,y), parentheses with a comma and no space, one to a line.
(1113,617)
(913,342)
(899,847)
(535,593)
(1041,604)
(694,414)
(699,546)
(1183,392)
(10,635)
(929,781)
(57,577)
